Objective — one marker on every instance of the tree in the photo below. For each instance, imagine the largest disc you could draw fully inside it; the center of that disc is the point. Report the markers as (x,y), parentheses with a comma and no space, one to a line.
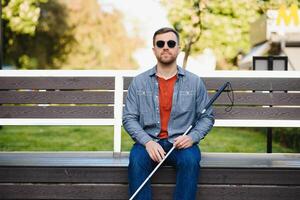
(186,17)
(265,5)
(101,40)
(224,25)
(35,33)
(22,15)
(69,34)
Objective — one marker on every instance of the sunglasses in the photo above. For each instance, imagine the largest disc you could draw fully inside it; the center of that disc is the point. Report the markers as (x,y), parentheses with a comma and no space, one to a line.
(161,43)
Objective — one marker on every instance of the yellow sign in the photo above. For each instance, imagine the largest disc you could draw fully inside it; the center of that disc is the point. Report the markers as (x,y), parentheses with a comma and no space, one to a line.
(288,17)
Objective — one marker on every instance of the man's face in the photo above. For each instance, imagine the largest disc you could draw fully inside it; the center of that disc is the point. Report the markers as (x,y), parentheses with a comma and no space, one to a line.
(166,54)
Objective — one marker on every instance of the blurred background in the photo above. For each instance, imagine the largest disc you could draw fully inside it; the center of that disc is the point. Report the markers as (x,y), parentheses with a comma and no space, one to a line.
(117,34)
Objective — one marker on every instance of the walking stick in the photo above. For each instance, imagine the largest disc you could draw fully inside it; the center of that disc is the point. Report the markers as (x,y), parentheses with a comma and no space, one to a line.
(212,100)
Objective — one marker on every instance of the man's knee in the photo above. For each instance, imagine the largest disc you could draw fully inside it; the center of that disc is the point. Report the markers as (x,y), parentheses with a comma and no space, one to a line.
(139,157)
(189,158)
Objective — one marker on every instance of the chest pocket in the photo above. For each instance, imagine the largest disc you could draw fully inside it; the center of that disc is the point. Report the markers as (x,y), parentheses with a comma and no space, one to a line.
(186,100)
(146,107)
(145,100)
(144,93)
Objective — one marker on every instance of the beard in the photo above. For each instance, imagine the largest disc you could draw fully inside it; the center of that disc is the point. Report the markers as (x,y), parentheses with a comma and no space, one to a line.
(166,58)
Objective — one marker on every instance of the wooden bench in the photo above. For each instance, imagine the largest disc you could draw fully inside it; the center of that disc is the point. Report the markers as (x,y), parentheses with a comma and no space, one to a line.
(262,99)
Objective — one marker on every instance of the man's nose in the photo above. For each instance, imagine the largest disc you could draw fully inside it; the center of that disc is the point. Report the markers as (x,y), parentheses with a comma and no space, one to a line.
(166,46)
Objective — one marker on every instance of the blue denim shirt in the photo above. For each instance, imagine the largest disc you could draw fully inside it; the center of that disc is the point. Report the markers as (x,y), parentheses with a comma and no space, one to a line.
(141,116)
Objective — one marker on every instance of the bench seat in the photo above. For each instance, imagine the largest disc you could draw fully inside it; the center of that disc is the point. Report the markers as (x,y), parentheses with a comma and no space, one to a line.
(103,175)
(103,159)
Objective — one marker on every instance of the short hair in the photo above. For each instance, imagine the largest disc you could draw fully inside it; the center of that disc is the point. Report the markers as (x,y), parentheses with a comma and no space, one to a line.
(165,30)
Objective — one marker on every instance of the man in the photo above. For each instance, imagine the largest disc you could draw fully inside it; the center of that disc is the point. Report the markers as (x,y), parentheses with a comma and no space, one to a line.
(161,104)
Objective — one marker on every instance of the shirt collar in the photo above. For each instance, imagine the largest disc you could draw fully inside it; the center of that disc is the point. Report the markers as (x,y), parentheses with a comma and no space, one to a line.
(180,70)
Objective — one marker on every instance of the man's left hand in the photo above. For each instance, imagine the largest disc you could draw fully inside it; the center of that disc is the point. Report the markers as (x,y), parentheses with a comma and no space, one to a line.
(182,142)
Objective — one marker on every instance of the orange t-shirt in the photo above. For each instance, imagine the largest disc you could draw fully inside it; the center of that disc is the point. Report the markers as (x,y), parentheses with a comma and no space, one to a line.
(166,88)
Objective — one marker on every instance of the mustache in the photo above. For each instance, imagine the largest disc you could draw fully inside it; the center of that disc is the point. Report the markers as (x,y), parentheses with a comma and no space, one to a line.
(167,52)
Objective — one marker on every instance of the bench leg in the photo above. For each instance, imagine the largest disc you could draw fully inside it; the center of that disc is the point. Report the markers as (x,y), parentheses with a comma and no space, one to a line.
(269,140)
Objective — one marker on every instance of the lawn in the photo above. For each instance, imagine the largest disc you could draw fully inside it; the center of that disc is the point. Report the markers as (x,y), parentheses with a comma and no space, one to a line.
(100,138)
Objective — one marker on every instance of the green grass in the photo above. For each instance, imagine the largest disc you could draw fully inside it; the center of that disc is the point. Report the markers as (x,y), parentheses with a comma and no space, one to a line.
(100,138)
(238,140)
(56,138)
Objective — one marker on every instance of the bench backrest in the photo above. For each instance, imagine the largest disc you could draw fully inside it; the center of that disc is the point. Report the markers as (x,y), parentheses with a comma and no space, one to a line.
(74,97)
(260,100)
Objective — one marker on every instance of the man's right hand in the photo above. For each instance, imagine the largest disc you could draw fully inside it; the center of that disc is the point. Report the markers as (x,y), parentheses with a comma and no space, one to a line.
(155,151)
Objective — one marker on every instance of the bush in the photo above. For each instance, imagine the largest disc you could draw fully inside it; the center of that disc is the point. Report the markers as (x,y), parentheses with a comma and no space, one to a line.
(288,137)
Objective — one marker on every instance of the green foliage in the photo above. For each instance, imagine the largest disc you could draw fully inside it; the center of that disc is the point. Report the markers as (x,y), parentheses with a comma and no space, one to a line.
(22,15)
(288,137)
(45,44)
(264,5)
(69,34)
(224,24)
(226,27)
(185,16)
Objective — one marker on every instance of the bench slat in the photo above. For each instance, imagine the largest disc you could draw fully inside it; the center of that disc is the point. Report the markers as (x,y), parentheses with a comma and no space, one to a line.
(107,112)
(255,98)
(57,97)
(100,83)
(165,175)
(57,112)
(263,113)
(253,83)
(106,159)
(162,192)
(274,99)
(97,122)
(259,84)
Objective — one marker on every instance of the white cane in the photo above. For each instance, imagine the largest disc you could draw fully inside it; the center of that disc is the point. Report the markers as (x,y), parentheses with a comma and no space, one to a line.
(185,133)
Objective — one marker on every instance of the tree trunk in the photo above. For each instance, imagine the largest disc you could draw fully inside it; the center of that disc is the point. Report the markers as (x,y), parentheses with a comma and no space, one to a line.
(187,52)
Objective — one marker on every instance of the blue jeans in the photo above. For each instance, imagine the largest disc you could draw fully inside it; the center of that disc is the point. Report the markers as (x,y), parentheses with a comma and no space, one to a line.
(186,162)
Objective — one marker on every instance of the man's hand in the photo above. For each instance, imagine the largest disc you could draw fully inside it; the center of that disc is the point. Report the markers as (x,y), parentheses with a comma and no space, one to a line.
(182,142)
(155,151)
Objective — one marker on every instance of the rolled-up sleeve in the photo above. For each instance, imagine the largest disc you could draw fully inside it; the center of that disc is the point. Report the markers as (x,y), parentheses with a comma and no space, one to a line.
(206,120)
(131,116)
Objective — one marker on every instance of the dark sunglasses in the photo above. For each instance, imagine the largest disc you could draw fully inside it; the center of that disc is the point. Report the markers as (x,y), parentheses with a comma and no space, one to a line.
(161,43)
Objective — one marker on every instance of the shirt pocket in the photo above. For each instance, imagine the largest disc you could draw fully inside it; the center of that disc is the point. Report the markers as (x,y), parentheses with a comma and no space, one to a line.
(186,100)
(145,100)
(146,107)
(144,93)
